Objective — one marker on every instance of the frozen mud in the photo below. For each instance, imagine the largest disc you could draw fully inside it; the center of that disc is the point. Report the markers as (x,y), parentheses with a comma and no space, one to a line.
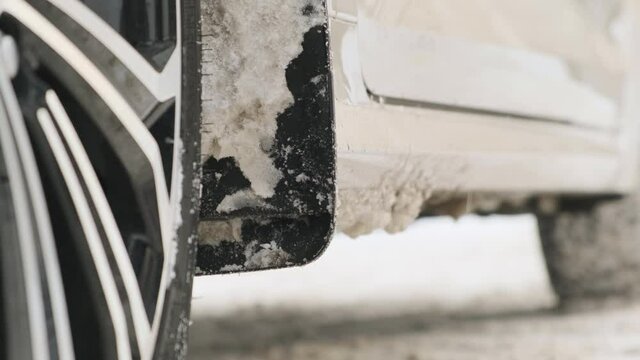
(361,211)
(392,193)
(389,200)
(388,194)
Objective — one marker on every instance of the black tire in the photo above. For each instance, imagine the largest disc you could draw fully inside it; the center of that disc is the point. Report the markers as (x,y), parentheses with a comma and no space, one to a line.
(99,177)
(592,250)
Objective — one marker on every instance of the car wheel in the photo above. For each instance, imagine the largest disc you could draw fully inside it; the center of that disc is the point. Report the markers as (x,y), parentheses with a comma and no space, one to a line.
(99,164)
(592,249)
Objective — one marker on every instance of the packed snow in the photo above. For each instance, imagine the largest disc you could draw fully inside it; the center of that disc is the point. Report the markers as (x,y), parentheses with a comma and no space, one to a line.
(246,48)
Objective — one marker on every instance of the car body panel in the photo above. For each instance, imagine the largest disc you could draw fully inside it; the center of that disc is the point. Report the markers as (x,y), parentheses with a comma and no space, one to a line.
(495,147)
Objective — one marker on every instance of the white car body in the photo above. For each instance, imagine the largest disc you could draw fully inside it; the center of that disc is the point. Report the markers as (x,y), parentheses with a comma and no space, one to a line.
(483,97)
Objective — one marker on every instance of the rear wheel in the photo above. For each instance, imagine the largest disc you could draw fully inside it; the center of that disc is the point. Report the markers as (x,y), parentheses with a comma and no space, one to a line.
(592,250)
(99,148)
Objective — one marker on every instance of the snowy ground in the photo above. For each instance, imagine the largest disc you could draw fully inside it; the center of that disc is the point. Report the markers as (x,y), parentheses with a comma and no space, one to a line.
(471,289)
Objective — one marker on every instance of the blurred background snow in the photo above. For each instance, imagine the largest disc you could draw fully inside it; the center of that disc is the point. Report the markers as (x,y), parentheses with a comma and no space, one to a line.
(474,263)
(432,292)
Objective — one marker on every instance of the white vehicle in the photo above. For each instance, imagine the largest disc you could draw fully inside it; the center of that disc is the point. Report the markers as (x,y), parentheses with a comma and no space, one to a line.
(447,107)
(143,142)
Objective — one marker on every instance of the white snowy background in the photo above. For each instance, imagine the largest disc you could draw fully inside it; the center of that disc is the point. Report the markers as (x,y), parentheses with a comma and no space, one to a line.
(472,289)
(491,262)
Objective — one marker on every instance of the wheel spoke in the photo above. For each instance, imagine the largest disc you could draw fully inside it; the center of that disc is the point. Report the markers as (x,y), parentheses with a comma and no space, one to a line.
(90,231)
(104,213)
(103,124)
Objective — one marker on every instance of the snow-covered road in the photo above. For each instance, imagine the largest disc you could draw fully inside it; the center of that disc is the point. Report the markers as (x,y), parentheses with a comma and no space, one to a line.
(605,335)
(470,289)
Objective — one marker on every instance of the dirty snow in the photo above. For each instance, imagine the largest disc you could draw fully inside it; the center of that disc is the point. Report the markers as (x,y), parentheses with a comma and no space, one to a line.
(266,255)
(176,199)
(214,232)
(302,178)
(360,211)
(604,335)
(247,46)
(239,200)
(257,255)
(390,194)
(390,200)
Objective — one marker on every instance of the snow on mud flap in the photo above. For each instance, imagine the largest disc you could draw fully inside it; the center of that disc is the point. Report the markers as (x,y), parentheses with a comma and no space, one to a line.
(268,144)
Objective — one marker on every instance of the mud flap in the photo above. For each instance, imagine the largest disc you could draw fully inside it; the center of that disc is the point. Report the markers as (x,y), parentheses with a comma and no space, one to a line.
(295,225)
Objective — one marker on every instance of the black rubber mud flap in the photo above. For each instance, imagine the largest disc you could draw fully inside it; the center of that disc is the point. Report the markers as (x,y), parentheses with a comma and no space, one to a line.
(295,225)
